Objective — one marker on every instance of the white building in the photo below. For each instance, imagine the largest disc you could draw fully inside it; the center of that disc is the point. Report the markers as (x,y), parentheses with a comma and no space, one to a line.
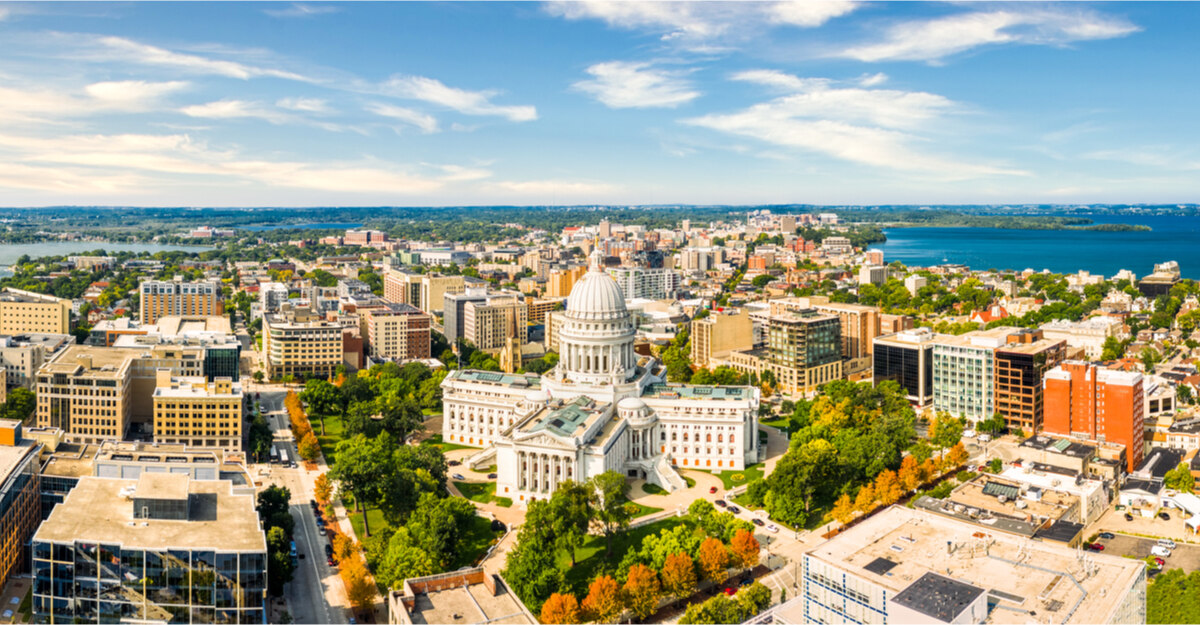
(602,408)
(271,295)
(646,282)
(964,372)
(1088,334)
(873,274)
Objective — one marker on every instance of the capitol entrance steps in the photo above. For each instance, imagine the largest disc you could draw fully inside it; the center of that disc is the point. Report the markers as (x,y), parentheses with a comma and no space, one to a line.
(484,458)
(665,475)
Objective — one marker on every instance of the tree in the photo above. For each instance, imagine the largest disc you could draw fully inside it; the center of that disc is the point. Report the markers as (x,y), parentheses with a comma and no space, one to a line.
(714,559)
(642,591)
(679,575)
(20,404)
(957,455)
(323,489)
(946,431)
(437,525)
(1149,357)
(258,376)
(800,477)
(887,488)
(910,474)
(608,497)
(1112,349)
(1183,394)
(745,549)
(560,608)
(309,448)
(1180,478)
(843,509)
(360,590)
(343,546)
(402,559)
(753,599)
(864,502)
(274,509)
(360,466)
(715,611)
(279,567)
(571,515)
(603,601)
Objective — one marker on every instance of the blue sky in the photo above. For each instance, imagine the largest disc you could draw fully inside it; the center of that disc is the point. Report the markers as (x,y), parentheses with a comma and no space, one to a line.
(300,104)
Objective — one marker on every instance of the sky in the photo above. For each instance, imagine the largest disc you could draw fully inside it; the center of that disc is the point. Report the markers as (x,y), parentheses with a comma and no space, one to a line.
(566,103)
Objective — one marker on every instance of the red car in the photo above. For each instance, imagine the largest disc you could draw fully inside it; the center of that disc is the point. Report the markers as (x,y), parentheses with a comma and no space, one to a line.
(712,491)
(1160,562)
(730,590)
(1097,547)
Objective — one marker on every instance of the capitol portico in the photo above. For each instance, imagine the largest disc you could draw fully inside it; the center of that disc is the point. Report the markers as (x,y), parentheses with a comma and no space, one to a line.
(602,408)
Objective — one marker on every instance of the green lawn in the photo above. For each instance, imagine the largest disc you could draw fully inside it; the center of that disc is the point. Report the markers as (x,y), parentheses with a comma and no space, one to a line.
(26,607)
(653,489)
(482,492)
(334,430)
(779,423)
(475,543)
(749,474)
(374,517)
(436,439)
(590,559)
(644,510)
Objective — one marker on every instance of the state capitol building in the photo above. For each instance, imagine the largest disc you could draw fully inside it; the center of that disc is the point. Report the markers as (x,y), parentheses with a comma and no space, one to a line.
(602,408)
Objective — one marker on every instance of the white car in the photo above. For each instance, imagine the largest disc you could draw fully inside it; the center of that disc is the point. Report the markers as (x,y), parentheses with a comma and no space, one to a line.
(1160,551)
(773,528)
(983,438)
(1167,542)
(969,434)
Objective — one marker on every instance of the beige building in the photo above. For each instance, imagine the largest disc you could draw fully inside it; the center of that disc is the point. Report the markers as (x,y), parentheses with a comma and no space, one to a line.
(1088,335)
(859,327)
(402,287)
(298,342)
(396,331)
(489,324)
(21,356)
(539,307)
(425,291)
(85,392)
(193,411)
(160,298)
(718,334)
(560,281)
(802,351)
(23,312)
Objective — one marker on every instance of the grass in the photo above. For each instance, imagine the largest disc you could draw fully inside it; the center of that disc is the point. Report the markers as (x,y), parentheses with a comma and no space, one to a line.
(334,432)
(653,489)
(589,558)
(749,474)
(436,439)
(374,517)
(26,607)
(482,492)
(472,545)
(644,510)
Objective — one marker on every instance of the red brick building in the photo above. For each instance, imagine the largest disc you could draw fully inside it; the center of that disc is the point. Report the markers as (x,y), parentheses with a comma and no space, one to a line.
(1085,401)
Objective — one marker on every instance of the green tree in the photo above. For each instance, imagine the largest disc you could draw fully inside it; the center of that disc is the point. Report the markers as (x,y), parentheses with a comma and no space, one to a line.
(1149,357)
(530,567)
(437,525)
(279,560)
(571,512)
(20,404)
(1180,478)
(608,492)
(360,468)
(274,508)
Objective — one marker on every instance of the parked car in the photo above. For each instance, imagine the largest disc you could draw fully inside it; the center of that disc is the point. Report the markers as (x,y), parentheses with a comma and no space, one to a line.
(328,550)
(773,528)
(458,476)
(730,590)
(745,582)
(720,502)
(712,490)
(1128,517)
(758,522)
(497,525)
(492,476)
(453,463)
(321,530)
(1107,535)
(1164,516)
(734,509)
(1160,562)
(1096,547)
(1160,551)
(969,434)
(983,438)
(1167,542)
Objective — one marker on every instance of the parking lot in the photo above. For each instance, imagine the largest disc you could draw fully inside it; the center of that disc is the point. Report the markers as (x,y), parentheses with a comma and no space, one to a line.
(1186,557)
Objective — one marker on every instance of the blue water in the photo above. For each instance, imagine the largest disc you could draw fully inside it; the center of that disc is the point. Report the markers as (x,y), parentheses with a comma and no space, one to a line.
(10,252)
(298,227)
(1060,251)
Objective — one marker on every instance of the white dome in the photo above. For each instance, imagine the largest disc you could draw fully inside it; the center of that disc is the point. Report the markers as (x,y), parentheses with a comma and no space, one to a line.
(537,396)
(631,403)
(597,295)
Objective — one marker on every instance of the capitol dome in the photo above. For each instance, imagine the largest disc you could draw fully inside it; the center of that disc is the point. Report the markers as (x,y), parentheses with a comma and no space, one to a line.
(631,403)
(597,296)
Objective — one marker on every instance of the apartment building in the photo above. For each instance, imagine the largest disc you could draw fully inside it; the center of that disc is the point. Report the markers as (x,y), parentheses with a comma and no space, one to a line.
(454,311)
(197,412)
(402,287)
(364,237)
(1088,402)
(161,298)
(85,392)
(161,548)
(907,358)
(20,487)
(26,312)
(804,350)
(646,283)
(559,282)
(1020,366)
(859,327)
(272,295)
(538,308)
(489,324)
(875,275)
(906,566)
(721,332)
(964,373)
(296,342)
(396,332)
(22,355)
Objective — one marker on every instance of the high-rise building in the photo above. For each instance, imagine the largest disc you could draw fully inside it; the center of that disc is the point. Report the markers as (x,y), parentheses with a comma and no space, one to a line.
(162,548)
(487,325)
(297,342)
(24,312)
(604,229)
(560,281)
(873,274)
(1089,402)
(364,237)
(804,350)
(907,358)
(905,566)
(272,295)
(642,282)
(1020,366)
(964,373)
(20,485)
(197,412)
(161,298)
(402,287)
(539,307)
(396,331)
(434,287)
(454,309)
(85,392)
(718,334)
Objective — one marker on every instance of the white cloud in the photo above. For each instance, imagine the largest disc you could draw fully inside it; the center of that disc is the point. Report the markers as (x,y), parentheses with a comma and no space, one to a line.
(304,105)
(703,26)
(552,187)
(425,122)
(935,39)
(298,9)
(461,100)
(873,80)
(619,84)
(235,109)
(133,93)
(122,49)
(4,13)
(868,126)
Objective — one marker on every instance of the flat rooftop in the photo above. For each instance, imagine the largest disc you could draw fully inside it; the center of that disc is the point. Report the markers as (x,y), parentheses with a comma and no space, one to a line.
(469,604)
(1023,576)
(173,325)
(938,596)
(12,455)
(1035,347)
(105,361)
(698,391)
(98,510)
(195,388)
(70,460)
(493,377)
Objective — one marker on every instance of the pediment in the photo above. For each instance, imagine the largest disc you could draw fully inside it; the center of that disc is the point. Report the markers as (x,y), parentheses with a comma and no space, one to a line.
(542,439)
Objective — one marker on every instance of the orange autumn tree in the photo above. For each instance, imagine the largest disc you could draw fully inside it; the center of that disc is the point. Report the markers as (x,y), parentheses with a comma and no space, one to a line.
(714,559)
(957,455)
(642,591)
(910,474)
(603,601)
(560,609)
(679,575)
(745,549)
(887,488)
(843,509)
(865,501)
(323,489)
(360,589)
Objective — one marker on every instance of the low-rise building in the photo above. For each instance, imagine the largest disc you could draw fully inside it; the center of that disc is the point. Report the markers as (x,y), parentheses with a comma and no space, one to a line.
(198,412)
(471,595)
(1088,335)
(298,343)
(85,392)
(26,312)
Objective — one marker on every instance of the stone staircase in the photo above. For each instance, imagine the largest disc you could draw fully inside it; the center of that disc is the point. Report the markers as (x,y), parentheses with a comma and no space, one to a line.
(666,476)
(484,458)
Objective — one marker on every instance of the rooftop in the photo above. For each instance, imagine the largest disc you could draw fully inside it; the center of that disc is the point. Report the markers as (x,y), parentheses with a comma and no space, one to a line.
(938,596)
(1024,576)
(467,603)
(570,418)
(1062,446)
(162,486)
(96,361)
(11,456)
(97,510)
(196,388)
(174,325)
(1033,347)
(493,377)
(698,391)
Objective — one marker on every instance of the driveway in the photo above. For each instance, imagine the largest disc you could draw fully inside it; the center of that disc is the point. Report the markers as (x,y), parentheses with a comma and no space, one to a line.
(1186,557)
(1114,521)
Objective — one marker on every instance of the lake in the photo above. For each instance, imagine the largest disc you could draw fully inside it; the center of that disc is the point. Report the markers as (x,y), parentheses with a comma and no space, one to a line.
(1060,251)
(9,253)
